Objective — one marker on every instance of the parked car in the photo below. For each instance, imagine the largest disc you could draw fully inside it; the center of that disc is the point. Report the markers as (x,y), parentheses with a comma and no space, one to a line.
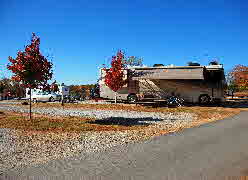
(45,97)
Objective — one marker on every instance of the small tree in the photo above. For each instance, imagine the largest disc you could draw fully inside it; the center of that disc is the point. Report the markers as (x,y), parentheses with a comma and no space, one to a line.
(134,61)
(30,67)
(76,91)
(240,76)
(8,86)
(54,87)
(114,78)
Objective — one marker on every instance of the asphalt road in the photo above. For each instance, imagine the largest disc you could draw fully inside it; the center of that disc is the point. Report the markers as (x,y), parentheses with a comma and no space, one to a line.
(211,151)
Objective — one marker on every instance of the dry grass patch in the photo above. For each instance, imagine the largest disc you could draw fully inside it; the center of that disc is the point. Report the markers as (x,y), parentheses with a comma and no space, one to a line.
(41,123)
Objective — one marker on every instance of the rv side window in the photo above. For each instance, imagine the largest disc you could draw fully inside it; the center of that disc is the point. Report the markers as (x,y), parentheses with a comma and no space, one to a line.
(214,76)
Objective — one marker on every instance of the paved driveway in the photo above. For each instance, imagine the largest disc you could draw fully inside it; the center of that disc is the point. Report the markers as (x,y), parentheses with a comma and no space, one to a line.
(205,152)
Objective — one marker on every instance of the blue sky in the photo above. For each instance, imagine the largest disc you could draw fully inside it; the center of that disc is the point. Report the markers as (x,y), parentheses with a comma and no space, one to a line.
(83,34)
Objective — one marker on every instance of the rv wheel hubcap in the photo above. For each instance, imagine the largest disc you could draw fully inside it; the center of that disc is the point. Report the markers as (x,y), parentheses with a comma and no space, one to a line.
(204,99)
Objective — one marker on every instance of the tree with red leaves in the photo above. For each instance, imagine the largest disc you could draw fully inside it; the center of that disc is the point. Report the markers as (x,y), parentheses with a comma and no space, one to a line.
(240,76)
(114,78)
(30,67)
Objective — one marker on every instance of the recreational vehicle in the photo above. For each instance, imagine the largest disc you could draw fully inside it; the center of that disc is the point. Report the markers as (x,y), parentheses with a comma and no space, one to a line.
(195,84)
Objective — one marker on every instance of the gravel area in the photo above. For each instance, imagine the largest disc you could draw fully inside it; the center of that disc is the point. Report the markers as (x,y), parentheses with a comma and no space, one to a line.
(101,114)
(18,150)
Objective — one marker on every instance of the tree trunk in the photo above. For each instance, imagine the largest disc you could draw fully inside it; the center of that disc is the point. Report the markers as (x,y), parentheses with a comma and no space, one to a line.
(115,97)
(30,105)
(62,101)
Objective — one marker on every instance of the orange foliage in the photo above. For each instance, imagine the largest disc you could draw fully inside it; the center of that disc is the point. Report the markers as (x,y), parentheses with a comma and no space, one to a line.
(240,76)
(114,76)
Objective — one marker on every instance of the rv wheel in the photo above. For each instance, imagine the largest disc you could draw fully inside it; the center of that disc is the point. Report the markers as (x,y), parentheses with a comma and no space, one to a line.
(204,99)
(132,98)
